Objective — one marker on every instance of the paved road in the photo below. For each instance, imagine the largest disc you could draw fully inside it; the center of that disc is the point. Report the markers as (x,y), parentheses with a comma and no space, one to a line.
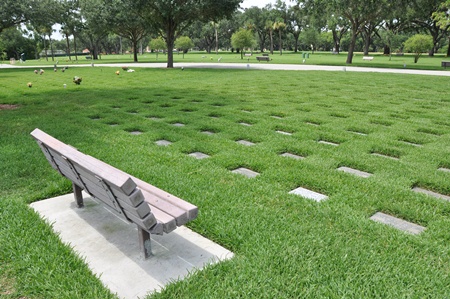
(259,66)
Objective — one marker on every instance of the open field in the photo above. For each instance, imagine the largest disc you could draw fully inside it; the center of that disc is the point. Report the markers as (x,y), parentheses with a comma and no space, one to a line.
(318,58)
(394,127)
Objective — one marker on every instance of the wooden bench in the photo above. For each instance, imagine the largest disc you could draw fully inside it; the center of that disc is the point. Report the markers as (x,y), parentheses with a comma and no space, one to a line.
(445,64)
(88,57)
(370,58)
(263,58)
(153,210)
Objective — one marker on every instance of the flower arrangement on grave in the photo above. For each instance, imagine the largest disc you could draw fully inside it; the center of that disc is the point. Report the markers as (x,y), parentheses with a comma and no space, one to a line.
(77,80)
(29,84)
(117,72)
(125,68)
(41,71)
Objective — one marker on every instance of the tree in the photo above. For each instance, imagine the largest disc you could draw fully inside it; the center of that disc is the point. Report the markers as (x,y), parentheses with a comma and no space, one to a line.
(418,44)
(96,24)
(358,12)
(184,43)
(126,22)
(16,12)
(257,19)
(157,44)
(442,19)
(421,15)
(279,26)
(170,18)
(243,39)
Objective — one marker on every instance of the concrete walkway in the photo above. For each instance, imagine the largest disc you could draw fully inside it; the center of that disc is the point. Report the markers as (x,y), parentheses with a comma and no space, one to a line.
(110,247)
(256,66)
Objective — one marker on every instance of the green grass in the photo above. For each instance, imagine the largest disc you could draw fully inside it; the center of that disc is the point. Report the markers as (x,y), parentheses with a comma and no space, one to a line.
(318,58)
(286,246)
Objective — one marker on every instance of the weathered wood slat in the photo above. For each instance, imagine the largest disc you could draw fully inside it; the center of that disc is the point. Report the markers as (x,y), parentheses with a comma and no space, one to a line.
(180,215)
(151,208)
(106,171)
(133,199)
(168,222)
(192,211)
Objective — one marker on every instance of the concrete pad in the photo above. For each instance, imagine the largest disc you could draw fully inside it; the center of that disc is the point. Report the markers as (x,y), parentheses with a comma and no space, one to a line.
(245,142)
(398,223)
(163,142)
(110,247)
(356,172)
(431,193)
(308,194)
(245,171)
(289,155)
(199,155)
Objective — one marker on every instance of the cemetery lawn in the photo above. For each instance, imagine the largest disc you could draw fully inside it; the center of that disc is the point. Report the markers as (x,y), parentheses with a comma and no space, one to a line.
(317,58)
(285,246)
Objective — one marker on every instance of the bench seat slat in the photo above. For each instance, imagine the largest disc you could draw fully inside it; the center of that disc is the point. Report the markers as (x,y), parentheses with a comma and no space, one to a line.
(180,215)
(120,179)
(168,222)
(192,211)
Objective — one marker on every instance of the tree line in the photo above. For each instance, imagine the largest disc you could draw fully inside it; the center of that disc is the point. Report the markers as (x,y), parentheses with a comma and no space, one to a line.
(113,26)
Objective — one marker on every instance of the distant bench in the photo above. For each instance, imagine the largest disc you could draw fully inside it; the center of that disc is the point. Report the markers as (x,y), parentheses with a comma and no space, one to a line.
(88,57)
(153,210)
(263,58)
(368,58)
(445,64)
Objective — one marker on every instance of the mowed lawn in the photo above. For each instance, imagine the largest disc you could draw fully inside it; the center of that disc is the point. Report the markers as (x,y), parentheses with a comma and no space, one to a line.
(395,127)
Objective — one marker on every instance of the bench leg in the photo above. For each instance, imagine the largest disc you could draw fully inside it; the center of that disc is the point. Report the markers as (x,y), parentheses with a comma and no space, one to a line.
(144,243)
(78,196)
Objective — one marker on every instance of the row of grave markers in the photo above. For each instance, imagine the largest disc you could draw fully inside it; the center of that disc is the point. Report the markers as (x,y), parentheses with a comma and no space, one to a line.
(309,194)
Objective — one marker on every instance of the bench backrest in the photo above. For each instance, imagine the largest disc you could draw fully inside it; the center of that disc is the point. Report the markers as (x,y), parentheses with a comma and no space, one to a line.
(112,186)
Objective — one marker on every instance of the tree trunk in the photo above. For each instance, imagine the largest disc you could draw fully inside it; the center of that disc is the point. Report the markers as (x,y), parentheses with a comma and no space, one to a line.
(366,44)
(281,42)
(296,37)
(51,47)
(217,39)
(68,46)
(448,49)
(135,51)
(271,41)
(351,48)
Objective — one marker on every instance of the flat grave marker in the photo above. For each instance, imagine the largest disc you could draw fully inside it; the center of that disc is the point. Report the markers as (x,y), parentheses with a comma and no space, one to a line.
(178,125)
(199,155)
(328,143)
(208,132)
(136,133)
(293,156)
(246,172)
(163,142)
(356,172)
(431,193)
(284,133)
(245,124)
(398,223)
(245,142)
(444,169)
(309,194)
(385,156)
